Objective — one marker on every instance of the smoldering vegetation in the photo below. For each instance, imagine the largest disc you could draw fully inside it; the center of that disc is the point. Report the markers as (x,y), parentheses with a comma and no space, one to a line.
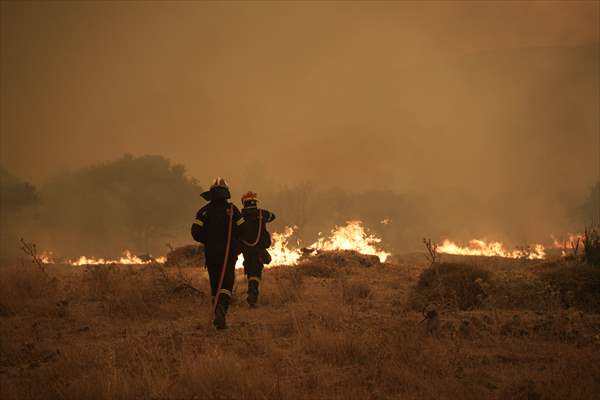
(469,328)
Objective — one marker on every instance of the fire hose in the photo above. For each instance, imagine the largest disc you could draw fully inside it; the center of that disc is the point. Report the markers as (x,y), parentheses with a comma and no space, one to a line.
(225,259)
(260,220)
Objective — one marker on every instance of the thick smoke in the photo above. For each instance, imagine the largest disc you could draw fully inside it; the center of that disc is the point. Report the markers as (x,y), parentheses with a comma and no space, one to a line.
(454,119)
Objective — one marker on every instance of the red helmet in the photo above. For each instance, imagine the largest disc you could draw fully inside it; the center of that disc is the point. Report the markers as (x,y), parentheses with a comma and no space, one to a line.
(249,196)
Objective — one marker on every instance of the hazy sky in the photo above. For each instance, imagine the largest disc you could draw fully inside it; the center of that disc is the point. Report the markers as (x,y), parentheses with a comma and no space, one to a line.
(482,96)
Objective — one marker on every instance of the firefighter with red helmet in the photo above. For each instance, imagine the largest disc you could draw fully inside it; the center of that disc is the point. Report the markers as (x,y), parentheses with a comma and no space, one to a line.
(217,226)
(254,242)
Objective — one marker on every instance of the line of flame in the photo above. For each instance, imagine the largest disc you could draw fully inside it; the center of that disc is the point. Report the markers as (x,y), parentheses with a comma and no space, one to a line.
(352,236)
(565,244)
(127,258)
(492,249)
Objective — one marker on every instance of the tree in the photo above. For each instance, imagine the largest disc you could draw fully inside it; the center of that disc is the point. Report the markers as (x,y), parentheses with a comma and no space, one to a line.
(18,200)
(15,194)
(589,211)
(133,202)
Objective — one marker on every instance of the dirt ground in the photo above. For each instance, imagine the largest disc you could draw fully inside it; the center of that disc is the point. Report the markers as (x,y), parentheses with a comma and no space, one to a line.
(320,332)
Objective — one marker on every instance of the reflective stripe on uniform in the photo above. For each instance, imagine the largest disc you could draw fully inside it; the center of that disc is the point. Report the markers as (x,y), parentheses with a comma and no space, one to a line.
(253,278)
(198,222)
(239,221)
(225,291)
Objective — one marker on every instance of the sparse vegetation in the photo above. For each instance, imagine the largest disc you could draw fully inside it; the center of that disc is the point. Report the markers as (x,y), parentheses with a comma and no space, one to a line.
(575,285)
(451,285)
(356,291)
(104,332)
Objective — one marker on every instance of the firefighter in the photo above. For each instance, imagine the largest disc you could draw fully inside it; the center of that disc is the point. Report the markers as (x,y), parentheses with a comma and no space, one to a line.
(214,229)
(254,242)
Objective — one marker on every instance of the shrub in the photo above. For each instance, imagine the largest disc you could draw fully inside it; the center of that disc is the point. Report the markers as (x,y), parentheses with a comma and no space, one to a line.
(578,285)
(508,291)
(591,246)
(344,258)
(186,256)
(27,289)
(451,285)
(316,269)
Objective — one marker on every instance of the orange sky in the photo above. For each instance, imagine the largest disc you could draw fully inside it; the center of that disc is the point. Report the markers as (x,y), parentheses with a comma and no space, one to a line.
(353,94)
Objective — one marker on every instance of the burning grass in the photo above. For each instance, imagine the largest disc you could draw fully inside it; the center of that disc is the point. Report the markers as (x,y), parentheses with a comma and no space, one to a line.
(349,333)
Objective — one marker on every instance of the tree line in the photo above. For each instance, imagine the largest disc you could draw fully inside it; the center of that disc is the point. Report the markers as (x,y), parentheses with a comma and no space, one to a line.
(143,203)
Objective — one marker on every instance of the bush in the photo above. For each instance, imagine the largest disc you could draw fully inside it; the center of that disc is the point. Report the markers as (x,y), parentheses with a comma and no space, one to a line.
(344,258)
(451,285)
(508,291)
(191,255)
(578,285)
(591,246)
(316,269)
(26,289)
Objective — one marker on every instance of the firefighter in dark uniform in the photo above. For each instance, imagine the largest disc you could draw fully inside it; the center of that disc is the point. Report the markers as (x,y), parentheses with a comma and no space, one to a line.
(254,242)
(213,227)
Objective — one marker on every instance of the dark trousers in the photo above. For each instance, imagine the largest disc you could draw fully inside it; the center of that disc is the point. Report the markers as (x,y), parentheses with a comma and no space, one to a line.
(214,274)
(253,266)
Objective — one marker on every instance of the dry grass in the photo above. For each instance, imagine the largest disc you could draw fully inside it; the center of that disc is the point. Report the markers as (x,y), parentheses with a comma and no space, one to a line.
(451,285)
(348,333)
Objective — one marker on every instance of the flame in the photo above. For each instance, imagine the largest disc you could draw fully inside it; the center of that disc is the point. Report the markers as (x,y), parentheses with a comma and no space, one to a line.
(279,250)
(572,239)
(573,243)
(349,237)
(492,249)
(352,237)
(281,253)
(46,257)
(127,258)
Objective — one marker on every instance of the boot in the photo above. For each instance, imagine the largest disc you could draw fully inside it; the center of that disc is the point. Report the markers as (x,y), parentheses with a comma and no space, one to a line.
(252,291)
(221,311)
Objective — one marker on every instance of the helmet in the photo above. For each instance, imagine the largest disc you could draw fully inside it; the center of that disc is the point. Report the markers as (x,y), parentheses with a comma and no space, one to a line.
(219,183)
(249,196)
(219,190)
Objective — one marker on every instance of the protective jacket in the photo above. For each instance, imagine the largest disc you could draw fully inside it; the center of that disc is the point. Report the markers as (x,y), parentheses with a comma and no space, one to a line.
(211,226)
(253,232)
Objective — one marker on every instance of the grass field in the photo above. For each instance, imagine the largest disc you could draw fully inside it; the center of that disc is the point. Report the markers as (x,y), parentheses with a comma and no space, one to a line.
(509,330)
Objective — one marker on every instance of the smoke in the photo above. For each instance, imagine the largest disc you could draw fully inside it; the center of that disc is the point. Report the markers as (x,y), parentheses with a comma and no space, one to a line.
(482,117)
